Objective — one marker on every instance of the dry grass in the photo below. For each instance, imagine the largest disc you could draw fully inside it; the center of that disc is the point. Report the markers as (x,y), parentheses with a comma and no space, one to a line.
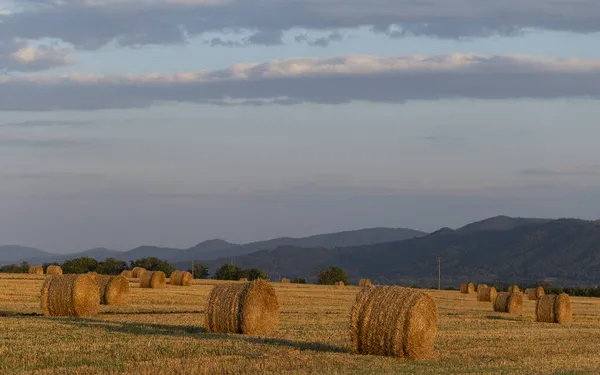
(250,308)
(394,321)
(312,336)
(69,295)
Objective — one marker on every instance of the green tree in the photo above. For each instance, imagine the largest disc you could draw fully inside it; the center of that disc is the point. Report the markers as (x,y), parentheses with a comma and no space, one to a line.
(299,280)
(229,272)
(333,275)
(200,271)
(80,265)
(15,268)
(111,266)
(154,264)
(255,273)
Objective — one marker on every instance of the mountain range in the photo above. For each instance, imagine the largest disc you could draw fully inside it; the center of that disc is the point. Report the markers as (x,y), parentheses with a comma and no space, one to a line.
(499,249)
(214,249)
(496,250)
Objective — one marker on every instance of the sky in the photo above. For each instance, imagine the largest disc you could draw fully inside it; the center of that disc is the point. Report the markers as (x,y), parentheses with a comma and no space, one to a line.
(171,122)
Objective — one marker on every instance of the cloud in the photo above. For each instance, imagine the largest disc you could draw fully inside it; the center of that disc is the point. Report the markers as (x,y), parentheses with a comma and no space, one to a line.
(45,123)
(591,170)
(17,55)
(140,22)
(322,41)
(60,176)
(264,38)
(313,80)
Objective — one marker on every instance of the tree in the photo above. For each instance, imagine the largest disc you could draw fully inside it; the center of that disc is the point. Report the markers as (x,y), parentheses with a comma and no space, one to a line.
(154,264)
(80,265)
(228,272)
(15,268)
(255,273)
(200,271)
(111,266)
(299,280)
(333,275)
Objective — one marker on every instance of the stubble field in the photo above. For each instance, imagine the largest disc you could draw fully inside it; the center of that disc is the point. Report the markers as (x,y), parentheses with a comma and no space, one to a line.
(162,332)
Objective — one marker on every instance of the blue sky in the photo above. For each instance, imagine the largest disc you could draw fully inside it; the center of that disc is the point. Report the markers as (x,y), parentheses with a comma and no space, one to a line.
(133,129)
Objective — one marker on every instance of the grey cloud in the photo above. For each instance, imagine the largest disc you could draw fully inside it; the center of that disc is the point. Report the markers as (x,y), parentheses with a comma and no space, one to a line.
(218,42)
(322,41)
(6,142)
(61,176)
(327,81)
(265,37)
(168,22)
(45,123)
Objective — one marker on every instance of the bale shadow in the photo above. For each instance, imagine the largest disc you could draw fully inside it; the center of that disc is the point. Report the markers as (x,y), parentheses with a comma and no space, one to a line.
(199,333)
(513,318)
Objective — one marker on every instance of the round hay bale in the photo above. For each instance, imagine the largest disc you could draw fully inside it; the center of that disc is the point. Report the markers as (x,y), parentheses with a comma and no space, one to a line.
(339,283)
(463,288)
(479,286)
(113,290)
(181,278)
(243,279)
(394,321)
(70,295)
(514,289)
(285,281)
(470,288)
(364,282)
(93,273)
(530,293)
(487,294)
(539,291)
(250,308)
(36,270)
(554,309)
(127,274)
(54,270)
(173,277)
(153,279)
(509,303)
(138,272)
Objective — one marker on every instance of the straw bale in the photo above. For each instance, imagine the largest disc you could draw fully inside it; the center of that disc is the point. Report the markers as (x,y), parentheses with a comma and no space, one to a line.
(394,321)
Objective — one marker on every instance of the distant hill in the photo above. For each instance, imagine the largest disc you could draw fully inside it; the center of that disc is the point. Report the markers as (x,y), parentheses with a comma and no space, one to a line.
(562,251)
(15,253)
(501,223)
(331,240)
(216,248)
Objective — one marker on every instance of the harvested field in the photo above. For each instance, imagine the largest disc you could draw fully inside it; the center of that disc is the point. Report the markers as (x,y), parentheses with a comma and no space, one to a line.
(161,331)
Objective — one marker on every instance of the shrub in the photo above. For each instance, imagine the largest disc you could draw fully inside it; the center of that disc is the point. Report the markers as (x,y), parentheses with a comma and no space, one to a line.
(333,275)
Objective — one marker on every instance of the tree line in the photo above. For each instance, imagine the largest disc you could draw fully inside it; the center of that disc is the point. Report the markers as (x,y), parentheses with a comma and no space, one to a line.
(112,266)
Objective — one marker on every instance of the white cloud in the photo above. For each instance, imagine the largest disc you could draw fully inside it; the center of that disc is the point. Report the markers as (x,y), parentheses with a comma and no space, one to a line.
(330,81)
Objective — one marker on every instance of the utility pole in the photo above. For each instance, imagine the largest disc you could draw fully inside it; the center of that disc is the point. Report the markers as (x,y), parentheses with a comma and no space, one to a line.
(439,273)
